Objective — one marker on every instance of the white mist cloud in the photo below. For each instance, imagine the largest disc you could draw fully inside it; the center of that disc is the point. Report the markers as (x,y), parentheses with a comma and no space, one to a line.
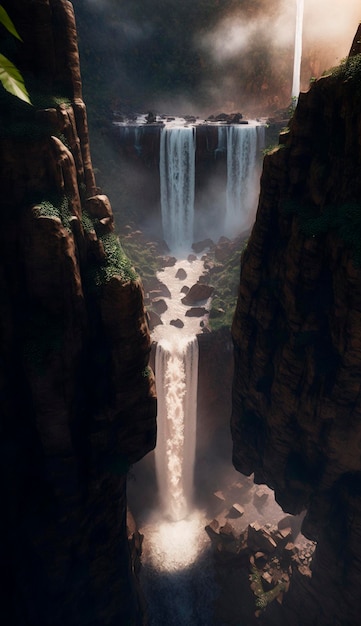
(329,26)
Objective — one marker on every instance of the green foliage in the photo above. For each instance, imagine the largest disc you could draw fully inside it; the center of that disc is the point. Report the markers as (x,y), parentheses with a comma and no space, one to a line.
(58,206)
(143,257)
(349,69)
(264,597)
(117,263)
(343,219)
(225,279)
(274,147)
(10,76)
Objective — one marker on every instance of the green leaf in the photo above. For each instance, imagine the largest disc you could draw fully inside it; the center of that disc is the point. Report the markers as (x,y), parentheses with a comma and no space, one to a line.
(12,79)
(7,22)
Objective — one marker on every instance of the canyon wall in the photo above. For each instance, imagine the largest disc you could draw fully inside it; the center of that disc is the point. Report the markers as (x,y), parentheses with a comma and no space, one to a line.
(77,400)
(296,419)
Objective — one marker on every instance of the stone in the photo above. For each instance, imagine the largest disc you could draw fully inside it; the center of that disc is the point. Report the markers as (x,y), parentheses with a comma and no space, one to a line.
(153,319)
(259,539)
(236,510)
(260,496)
(196,312)
(177,323)
(199,246)
(167,261)
(159,305)
(181,274)
(198,293)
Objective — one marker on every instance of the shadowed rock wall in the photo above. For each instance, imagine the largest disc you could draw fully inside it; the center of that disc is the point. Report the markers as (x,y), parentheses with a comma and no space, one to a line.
(296,420)
(77,401)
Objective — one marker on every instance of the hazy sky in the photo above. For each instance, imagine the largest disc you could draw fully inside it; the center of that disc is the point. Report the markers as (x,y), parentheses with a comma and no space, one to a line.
(255,36)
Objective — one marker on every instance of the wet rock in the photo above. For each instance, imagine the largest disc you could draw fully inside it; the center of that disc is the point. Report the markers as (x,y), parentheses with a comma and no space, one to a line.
(185,289)
(159,305)
(177,323)
(220,496)
(191,258)
(181,274)
(199,246)
(196,311)
(154,319)
(167,261)
(236,510)
(197,293)
(260,539)
(260,496)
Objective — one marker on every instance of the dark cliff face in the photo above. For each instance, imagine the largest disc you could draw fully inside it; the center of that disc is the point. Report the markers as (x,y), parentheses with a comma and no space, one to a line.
(77,401)
(296,420)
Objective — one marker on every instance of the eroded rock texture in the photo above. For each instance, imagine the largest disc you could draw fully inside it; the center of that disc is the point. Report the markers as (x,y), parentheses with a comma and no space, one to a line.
(77,402)
(296,419)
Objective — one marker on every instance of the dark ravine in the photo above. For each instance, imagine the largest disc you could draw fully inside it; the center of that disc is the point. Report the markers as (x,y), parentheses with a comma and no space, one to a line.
(296,419)
(77,399)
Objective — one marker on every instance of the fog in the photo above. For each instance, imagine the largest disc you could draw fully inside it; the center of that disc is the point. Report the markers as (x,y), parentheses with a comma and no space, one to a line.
(204,57)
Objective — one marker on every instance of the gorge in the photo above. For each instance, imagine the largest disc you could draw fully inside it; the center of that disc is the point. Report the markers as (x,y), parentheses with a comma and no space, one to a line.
(77,395)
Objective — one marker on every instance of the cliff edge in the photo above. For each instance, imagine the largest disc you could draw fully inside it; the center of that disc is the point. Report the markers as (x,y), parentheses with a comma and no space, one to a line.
(77,398)
(296,420)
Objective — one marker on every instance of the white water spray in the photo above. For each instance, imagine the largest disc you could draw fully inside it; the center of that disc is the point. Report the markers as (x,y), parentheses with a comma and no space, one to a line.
(298,49)
(177,178)
(176,368)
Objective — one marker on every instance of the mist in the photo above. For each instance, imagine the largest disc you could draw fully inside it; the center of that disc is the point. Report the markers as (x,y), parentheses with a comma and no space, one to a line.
(202,57)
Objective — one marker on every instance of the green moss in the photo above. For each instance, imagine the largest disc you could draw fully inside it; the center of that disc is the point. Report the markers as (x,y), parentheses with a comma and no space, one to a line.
(350,70)
(263,598)
(116,262)
(58,206)
(143,257)
(345,220)
(225,280)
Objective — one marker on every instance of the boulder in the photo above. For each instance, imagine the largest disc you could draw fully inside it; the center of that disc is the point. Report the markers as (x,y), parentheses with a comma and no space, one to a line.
(159,305)
(196,311)
(197,293)
(177,323)
(259,539)
(199,246)
(181,274)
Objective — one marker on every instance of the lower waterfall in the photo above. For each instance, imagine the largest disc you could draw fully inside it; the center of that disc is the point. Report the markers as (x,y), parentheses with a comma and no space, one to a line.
(176,367)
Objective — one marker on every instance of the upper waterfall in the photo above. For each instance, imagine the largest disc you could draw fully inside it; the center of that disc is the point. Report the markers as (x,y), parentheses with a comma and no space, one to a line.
(298,49)
(177,179)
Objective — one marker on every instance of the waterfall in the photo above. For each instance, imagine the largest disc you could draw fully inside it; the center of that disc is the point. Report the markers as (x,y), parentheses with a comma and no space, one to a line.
(176,369)
(242,146)
(298,49)
(222,141)
(177,179)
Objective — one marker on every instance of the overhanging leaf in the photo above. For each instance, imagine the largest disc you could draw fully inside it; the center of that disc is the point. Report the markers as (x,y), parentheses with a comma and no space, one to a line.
(12,79)
(7,22)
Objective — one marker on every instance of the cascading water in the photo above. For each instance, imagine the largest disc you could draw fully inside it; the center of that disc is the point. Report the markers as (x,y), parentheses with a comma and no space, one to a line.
(298,49)
(176,366)
(177,179)
(241,159)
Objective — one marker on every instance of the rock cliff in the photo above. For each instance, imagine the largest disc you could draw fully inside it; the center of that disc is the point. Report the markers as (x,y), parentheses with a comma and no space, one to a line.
(77,401)
(296,420)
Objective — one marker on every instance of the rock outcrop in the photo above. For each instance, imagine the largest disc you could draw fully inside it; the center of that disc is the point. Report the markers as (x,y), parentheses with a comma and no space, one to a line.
(77,401)
(296,420)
